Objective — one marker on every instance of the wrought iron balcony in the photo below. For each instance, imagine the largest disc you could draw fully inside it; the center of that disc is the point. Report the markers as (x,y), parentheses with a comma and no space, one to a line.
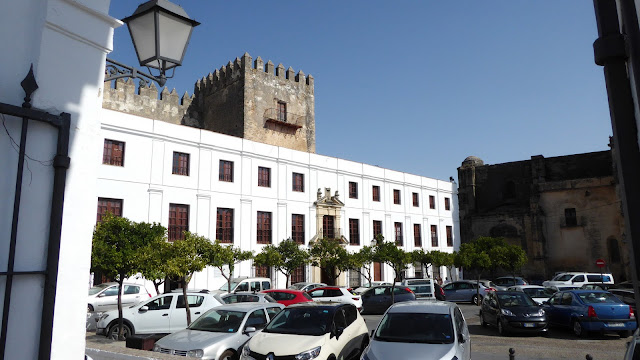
(286,120)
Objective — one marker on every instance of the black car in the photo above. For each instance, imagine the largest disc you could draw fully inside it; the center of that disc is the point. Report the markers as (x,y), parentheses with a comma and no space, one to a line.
(378,299)
(439,292)
(512,311)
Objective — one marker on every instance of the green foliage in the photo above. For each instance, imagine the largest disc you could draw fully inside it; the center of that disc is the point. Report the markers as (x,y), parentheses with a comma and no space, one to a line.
(286,257)
(330,256)
(221,256)
(488,253)
(118,249)
(153,262)
(362,262)
(390,254)
(187,256)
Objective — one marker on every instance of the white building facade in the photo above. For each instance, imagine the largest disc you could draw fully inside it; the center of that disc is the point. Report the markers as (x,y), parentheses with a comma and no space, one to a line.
(145,185)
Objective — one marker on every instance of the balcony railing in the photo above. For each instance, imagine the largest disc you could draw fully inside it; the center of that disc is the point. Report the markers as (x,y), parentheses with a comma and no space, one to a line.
(287,120)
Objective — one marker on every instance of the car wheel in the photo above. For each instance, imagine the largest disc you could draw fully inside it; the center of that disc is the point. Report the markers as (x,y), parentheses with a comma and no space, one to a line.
(90,308)
(578,330)
(476,299)
(501,329)
(228,355)
(113,332)
(624,334)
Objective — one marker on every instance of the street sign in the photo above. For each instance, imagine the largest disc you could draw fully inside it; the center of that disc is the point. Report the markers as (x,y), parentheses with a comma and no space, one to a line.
(600,263)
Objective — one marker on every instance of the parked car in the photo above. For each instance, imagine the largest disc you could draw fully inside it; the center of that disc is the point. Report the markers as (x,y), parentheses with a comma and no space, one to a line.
(578,279)
(336,294)
(104,296)
(585,311)
(220,332)
(244,283)
(440,295)
(422,288)
(466,291)
(502,283)
(633,347)
(313,330)
(162,314)
(489,284)
(556,288)
(598,286)
(287,297)
(512,311)
(305,286)
(368,286)
(246,297)
(378,299)
(627,296)
(421,330)
(539,294)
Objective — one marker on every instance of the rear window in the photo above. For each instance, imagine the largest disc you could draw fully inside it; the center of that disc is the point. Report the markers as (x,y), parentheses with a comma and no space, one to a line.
(598,278)
(416,328)
(306,296)
(598,298)
(400,290)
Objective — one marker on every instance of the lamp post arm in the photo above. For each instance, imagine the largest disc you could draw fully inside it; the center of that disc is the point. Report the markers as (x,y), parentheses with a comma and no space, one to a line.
(115,70)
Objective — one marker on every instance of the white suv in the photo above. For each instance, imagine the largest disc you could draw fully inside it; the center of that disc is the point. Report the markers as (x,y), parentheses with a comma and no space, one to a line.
(162,314)
(579,278)
(104,296)
(255,284)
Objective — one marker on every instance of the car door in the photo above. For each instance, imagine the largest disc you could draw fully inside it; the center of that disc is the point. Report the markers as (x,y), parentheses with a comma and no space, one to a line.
(317,294)
(464,291)
(551,308)
(156,319)
(339,344)
(490,309)
(450,291)
(131,295)
(178,317)
(464,340)
(108,299)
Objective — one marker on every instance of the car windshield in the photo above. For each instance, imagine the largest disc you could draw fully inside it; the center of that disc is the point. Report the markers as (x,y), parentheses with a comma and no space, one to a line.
(538,292)
(301,321)
(416,328)
(565,277)
(219,321)
(96,289)
(225,287)
(515,299)
(598,298)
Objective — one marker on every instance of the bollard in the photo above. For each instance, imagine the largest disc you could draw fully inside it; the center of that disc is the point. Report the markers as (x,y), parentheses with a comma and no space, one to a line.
(512,354)
(589,357)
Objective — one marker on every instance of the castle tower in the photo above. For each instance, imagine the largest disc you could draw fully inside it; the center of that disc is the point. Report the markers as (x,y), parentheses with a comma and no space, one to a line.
(259,102)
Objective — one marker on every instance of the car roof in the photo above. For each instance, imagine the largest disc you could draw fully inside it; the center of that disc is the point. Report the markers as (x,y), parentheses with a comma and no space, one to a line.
(528,287)
(244,293)
(246,306)
(328,288)
(290,291)
(319,304)
(421,306)
(508,292)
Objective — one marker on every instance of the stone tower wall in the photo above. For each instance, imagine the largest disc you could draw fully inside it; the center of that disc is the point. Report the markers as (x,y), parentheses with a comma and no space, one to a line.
(143,101)
(241,99)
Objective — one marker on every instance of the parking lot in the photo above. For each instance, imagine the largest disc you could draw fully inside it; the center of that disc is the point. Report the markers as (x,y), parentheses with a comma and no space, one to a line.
(485,343)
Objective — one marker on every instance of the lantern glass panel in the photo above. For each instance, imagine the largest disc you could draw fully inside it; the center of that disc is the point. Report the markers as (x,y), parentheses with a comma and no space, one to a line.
(174,37)
(142,31)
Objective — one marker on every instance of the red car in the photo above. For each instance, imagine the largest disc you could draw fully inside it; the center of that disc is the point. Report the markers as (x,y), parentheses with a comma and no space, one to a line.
(287,297)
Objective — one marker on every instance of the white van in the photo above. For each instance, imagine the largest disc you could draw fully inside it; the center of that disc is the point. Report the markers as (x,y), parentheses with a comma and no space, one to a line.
(579,278)
(244,283)
(423,288)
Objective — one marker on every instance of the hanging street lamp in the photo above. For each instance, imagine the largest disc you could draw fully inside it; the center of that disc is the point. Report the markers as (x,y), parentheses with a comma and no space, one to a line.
(160,31)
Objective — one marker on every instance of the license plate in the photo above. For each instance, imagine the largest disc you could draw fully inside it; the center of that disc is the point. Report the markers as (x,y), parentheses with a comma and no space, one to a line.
(616,324)
(529,325)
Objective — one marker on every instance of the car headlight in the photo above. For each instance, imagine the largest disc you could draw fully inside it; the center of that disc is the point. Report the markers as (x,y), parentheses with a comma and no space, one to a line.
(506,312)
(308,355)
(197,353)
(156,348)
(246,352)
(539,313)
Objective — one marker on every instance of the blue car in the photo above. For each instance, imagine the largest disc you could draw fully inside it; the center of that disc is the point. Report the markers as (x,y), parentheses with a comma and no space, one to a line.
(585,311)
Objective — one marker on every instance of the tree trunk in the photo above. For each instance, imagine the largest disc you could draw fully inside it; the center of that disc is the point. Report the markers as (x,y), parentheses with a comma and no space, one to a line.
(157,284)
(120,320)
(287,282)
(186,301)
(226,277)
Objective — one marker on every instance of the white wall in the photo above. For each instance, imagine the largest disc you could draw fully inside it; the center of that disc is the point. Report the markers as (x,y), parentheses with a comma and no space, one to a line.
(67,42)
(149,146)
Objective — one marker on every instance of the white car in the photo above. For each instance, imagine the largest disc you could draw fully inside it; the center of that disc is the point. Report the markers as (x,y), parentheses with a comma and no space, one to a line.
(312,330)
(162,314)
(538,293)
(305,286)
(336,294)
(104,296)
(420,330)
(368,286)
(578,279)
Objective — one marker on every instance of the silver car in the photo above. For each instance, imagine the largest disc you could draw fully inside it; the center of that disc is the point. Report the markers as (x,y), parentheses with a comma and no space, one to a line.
(420,330)
(220,332)
(247,297)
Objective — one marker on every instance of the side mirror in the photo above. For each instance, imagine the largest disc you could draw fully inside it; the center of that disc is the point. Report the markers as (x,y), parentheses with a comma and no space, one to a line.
(249,329)
(101,295)
(143,308)
(339,332)
(461,338)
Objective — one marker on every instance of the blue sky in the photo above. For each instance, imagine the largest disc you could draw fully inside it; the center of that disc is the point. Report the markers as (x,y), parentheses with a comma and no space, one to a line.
(417,86)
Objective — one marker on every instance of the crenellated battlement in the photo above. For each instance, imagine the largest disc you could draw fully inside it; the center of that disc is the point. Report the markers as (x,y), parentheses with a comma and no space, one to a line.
(240,67)
(143,101)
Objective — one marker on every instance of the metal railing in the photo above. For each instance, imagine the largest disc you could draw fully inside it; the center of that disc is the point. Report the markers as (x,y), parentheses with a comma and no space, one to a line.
(287,119)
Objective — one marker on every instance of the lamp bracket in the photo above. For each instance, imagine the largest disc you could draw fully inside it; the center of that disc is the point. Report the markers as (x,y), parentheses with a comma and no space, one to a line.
(115,70)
